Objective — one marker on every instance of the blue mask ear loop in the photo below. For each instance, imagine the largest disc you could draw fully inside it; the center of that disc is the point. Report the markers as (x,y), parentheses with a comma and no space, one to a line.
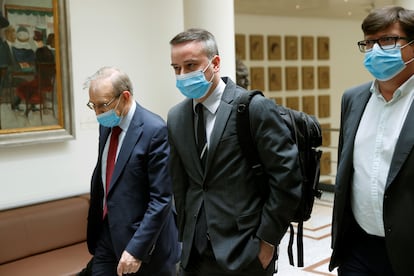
(119,99)
(205,69)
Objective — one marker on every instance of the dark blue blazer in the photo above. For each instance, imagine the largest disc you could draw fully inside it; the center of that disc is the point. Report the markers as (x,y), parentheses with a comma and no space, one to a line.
(398,206)
(141,214)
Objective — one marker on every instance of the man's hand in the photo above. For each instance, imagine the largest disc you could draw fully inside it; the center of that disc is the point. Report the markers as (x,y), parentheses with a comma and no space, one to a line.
(266,253)
(127,264)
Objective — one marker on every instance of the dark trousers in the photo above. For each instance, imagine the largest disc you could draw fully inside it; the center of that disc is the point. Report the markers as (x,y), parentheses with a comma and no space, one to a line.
(206,265)
(365,255)
(105,261)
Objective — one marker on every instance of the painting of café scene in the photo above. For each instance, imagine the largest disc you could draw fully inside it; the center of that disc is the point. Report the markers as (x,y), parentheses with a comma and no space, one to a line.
(28,70)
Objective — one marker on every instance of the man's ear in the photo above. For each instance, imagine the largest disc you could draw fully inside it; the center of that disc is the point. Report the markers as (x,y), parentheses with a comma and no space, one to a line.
(216,63)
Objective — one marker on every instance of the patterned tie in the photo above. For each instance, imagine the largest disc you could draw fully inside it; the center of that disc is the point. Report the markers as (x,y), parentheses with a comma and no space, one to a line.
(200,237)
(110,161)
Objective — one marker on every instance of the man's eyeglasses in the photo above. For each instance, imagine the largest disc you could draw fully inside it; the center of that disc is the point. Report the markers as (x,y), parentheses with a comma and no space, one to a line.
(385,43)
(103,106)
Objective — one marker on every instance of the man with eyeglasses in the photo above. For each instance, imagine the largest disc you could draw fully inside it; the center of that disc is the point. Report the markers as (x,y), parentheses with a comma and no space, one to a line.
(373,225)
(131,225)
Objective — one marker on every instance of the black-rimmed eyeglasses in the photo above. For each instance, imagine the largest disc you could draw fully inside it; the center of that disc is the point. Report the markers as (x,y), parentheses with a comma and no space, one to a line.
(104,106)
(385,43)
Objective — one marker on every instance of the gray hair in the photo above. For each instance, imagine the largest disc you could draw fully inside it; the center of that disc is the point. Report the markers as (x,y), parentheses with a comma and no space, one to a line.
(119,79)
(200,35)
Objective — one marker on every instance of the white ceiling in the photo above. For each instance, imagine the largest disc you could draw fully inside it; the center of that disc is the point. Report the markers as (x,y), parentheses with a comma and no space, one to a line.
(338,9)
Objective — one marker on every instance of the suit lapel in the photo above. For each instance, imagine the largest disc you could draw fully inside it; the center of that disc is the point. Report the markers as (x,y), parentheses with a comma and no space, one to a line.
(222,116)
(359,102)
(134,133)
(403,147)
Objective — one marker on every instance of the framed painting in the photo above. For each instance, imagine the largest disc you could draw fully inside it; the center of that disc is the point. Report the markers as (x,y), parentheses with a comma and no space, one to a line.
(308,78)
(291,47)
(277,100)
(307,47)
(323,77)
(292,81)
(292,102)
(257,78)
(49,118)
(326,163)
(324,106)
(308,105)
(323,47)
(240,41)
(256,47)
(274,49)
(326,135)
(275,78)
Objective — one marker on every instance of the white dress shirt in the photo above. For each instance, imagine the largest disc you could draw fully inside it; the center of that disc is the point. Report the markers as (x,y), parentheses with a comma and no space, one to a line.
(211,105)
(374,146)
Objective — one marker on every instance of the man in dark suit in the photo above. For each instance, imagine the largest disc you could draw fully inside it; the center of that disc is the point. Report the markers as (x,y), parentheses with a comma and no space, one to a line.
(131,224)
(226,225)
(374,192)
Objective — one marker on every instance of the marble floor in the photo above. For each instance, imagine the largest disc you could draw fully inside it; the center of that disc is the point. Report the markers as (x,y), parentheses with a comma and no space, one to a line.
(316,240)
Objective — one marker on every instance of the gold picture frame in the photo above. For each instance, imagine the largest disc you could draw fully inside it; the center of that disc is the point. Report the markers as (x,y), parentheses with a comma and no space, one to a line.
(256,47)
(257,78)
(291,47)
(307,47)
(275,78)
(63,129)
(291,73)
(323,47)
(274,47)
(240,41)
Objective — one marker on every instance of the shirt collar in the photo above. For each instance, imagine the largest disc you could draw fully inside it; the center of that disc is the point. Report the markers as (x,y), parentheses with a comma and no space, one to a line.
(213,101)
(401,91)
(126,120)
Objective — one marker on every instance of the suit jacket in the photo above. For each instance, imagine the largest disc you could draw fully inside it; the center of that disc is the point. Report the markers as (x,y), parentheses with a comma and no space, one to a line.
(398,209)
(139,201)
(237,216)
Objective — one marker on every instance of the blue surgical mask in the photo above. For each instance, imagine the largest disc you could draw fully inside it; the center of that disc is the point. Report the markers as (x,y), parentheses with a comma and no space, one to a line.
(109,118)
(194,84)
(385,64)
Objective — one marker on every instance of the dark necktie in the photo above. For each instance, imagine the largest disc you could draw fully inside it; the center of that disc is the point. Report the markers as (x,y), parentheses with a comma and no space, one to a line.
(201,135)
(200,237)
(110,161)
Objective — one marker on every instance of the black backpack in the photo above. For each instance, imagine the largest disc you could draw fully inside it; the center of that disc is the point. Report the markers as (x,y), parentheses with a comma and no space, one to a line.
(306,132)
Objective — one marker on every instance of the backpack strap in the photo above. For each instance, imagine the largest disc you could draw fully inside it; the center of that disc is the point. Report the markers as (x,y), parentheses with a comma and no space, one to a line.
(244,132)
